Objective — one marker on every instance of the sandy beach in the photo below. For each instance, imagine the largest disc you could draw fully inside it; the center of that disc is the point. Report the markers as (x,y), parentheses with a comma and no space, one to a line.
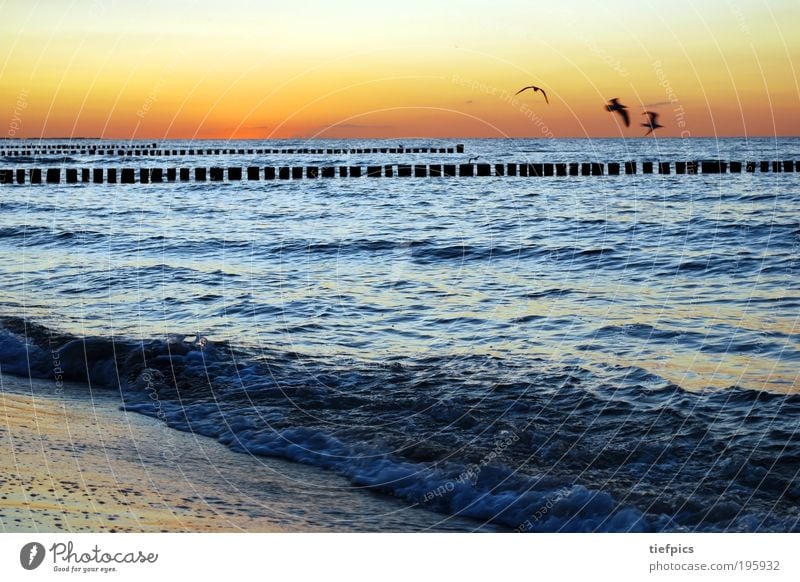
(75,462)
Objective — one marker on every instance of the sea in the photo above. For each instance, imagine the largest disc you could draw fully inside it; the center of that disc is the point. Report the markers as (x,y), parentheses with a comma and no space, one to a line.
(554,354)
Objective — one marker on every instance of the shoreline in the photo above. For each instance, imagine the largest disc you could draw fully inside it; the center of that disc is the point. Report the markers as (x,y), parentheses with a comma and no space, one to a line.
(74,461)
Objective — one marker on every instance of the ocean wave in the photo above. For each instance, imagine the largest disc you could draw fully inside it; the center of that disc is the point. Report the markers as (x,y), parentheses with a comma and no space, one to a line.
(529,445)
(36,235)
(40,160)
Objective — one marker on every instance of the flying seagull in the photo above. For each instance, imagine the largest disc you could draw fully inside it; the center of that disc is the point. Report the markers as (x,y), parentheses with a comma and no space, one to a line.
(652,122)
(535,88)
(615,106)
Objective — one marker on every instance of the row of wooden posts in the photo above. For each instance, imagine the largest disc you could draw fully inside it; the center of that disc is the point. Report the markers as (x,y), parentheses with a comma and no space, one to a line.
(124,152)
(218,174)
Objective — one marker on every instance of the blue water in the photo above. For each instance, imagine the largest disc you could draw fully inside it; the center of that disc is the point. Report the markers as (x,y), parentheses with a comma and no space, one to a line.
(552,354)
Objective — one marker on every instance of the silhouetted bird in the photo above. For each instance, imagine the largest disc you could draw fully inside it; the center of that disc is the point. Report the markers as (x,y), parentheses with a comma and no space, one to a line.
(535,88)
(476,158)
(615,106)
(652,122)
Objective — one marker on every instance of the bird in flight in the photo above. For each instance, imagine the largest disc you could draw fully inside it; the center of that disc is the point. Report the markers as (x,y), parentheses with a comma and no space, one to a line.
(652,122)
(535,88)
(615,106)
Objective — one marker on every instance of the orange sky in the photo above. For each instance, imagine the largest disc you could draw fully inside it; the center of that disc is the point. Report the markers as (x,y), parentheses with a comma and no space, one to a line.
(249,69)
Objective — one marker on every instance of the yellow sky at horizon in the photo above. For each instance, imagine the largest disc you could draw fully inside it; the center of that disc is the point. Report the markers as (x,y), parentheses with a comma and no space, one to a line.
(252,69)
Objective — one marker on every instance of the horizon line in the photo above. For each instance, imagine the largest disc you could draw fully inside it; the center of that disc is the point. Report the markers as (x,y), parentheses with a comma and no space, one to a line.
(353,138)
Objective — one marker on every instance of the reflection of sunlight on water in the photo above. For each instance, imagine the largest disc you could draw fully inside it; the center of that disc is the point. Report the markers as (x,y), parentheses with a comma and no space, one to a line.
(697,371)
(689,278)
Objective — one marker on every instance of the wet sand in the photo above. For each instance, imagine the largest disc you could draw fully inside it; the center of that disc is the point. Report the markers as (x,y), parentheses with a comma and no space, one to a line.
(73,461)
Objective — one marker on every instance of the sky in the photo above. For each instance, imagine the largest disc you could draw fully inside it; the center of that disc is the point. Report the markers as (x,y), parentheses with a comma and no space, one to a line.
(419,68)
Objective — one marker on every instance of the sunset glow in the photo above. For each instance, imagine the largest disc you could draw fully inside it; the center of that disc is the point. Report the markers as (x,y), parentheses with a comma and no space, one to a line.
(247,69)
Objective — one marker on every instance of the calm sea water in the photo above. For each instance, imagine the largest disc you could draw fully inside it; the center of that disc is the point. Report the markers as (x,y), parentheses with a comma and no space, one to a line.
(555,354)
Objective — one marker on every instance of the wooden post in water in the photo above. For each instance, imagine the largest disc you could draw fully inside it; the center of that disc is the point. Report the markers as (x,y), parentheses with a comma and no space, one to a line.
(713,167)
(128,176)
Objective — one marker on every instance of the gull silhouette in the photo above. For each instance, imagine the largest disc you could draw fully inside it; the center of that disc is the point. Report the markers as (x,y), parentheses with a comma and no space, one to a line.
(615,106)
(535,88)
(652,122)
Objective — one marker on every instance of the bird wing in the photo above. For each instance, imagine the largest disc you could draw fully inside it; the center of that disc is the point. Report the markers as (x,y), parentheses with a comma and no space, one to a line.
(648,132)
(546,100)
(625,116)
(524,89)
